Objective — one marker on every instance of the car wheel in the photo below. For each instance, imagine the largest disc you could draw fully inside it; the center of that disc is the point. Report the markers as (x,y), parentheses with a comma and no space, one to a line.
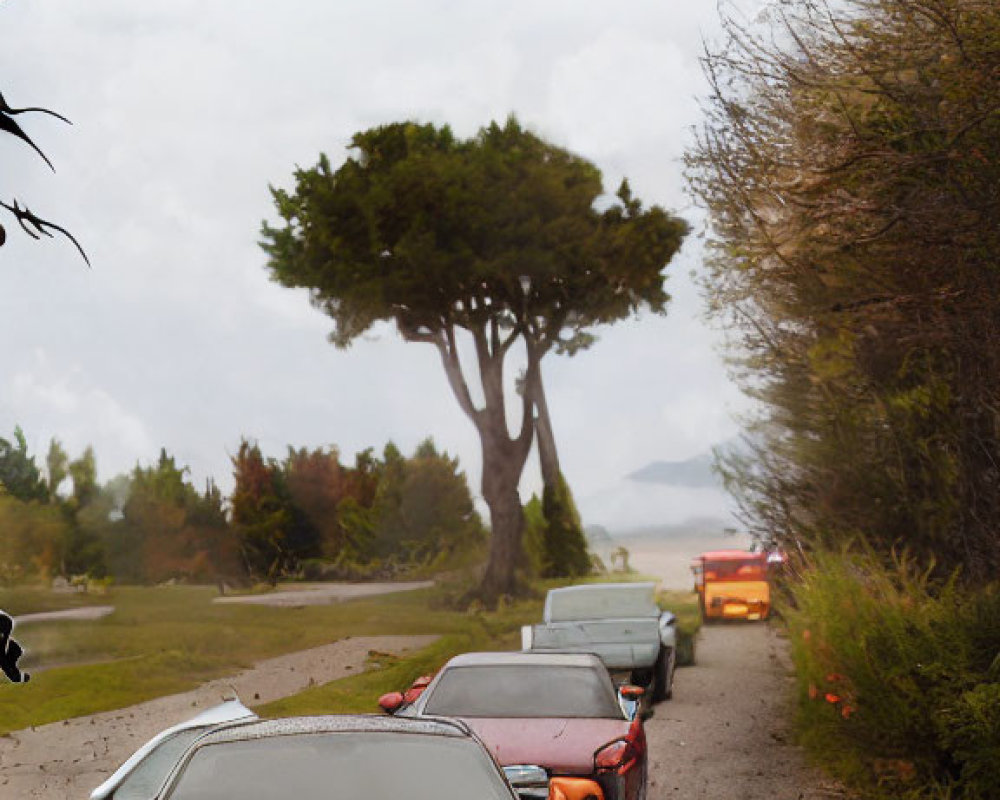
(663,675)
(668,695)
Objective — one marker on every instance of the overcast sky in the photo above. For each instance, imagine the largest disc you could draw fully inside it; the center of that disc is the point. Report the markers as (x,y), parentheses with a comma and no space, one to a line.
(183,113)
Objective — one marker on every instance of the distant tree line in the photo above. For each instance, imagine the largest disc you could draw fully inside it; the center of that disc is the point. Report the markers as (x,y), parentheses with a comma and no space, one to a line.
(304,515)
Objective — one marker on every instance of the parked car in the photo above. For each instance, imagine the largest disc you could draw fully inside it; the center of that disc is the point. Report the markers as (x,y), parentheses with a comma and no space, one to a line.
(560,712)
(227,752)
(619,622)
(733,584)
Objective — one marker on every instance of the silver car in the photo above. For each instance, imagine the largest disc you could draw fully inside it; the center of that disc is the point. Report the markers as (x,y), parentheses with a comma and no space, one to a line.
(345,757)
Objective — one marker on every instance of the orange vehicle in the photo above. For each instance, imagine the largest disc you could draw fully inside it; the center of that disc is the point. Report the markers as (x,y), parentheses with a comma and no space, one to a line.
(732,584)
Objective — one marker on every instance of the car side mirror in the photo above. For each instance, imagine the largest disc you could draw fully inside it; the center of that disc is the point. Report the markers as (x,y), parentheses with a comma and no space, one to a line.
(391,702)
(574,789)
(631,692)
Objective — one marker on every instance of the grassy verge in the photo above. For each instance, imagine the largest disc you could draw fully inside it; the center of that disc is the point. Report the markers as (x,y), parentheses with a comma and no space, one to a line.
(164,640)
(899,680)
(685,608)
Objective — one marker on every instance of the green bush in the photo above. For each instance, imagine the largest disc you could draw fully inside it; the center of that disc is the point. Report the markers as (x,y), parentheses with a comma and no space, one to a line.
(564,545)
(899,677)
(684,605)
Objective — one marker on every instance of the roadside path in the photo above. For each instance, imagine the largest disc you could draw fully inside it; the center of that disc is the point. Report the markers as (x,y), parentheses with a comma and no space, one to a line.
(81,613)
(725,734)
(323,593)
(68,759)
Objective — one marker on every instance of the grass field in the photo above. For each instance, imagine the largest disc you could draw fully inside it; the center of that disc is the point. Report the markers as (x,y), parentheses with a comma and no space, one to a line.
(165,640)
(170,639)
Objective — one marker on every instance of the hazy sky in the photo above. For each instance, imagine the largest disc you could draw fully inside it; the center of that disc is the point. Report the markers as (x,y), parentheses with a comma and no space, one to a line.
(183,113)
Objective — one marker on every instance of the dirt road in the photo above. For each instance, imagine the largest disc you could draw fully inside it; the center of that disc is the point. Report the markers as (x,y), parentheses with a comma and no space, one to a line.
(68,759)
(321,594)
(725,734)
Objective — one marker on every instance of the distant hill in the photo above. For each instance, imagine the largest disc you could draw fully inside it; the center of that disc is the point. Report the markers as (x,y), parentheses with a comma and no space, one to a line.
(694,473)
(597,535)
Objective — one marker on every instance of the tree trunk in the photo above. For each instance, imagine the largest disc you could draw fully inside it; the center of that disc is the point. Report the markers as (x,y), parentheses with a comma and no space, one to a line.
(503,463)
(547,453)
(507,524)
(503,456)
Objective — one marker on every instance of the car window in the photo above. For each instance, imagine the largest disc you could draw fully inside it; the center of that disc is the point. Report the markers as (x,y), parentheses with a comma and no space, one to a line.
(342,766)
(745,570)
(149,775)
(523,690)
(600,602)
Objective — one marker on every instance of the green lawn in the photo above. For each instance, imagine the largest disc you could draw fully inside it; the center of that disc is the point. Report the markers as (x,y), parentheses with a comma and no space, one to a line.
(164,640)
(170,639)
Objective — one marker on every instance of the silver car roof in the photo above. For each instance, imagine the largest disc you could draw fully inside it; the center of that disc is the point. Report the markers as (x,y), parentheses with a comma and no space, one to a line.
(340,723)
(227,711)
(515,657)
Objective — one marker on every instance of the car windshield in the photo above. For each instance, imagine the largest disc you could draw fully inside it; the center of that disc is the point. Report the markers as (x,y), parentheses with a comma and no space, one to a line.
(735,570)
(601,602)
(342,766)
(523,690)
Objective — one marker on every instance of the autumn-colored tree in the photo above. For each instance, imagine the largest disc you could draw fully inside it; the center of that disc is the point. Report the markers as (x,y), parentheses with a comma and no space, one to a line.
(317,484)
(262,515)
(424,509)
(168,530)
(31,534)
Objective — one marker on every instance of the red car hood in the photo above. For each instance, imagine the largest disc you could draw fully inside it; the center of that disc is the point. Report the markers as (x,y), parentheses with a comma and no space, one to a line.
(565,746)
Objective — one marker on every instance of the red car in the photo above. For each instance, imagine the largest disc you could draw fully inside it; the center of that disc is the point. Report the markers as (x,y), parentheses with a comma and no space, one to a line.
(556,711)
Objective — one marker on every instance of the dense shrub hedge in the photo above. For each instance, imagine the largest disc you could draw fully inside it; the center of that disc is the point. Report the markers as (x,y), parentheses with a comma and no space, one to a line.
(899,678)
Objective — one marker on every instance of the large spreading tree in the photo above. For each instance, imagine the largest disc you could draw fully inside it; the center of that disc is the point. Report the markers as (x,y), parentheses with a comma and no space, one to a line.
(496,236)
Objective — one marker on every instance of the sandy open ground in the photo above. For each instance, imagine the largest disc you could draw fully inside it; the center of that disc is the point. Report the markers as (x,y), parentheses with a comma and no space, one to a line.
(670,559)
(68,759)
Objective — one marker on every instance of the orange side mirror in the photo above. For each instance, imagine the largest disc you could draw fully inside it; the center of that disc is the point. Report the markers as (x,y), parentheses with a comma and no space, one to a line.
(574,789)
(631,692)
(391,702)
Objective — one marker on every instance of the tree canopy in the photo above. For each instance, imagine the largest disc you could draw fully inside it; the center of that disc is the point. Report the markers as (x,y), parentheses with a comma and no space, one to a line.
(497,236)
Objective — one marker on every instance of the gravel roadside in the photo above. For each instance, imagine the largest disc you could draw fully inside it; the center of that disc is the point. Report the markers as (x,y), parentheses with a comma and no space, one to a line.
(68,759)
(726,735)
